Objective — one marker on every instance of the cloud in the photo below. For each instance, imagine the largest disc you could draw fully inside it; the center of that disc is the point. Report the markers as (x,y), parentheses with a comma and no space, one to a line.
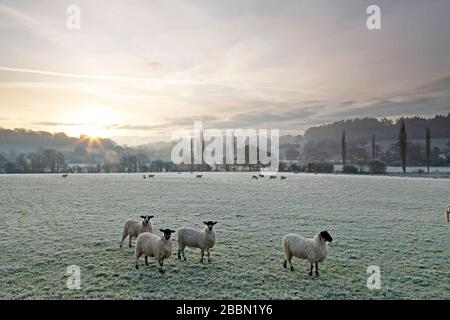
(145,80)
(56,124)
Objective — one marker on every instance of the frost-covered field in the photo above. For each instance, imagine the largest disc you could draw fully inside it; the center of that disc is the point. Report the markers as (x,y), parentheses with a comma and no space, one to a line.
(49,223)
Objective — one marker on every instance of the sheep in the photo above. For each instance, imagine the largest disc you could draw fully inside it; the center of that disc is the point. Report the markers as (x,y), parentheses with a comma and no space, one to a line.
(255,178)
(283,177)
(314,250)
(205,239)
(272,177)
(144,176)
(447,212)
(260,175)
(134,228)
(152,245)
(198,176)
(65,175)
(151,175)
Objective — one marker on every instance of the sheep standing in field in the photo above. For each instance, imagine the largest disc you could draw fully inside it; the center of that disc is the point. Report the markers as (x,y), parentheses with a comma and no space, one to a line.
(199,176)
(134,228)
(260,175)
(314,250)
(283,177)
(152,245)
(272,177)
(447,212)
(204,239)
(255,178)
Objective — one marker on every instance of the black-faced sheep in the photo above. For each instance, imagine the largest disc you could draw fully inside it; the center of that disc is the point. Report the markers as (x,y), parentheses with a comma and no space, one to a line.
(152,245)
(314,250)
(134,228)
(204,239)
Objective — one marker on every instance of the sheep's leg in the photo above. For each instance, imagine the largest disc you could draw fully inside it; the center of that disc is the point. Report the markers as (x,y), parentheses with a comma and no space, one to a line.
(179,254)
(129,241)
(161,264)
(124,235)
(146,261)
(317,269)
(288,259)
(137,260)
(184,257)
(203,254)
(209,254)
(311,270)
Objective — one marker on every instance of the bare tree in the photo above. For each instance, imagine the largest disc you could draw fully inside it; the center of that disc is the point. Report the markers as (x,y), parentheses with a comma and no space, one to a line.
(402,144)
(428,147)
(343,147)
(374,151)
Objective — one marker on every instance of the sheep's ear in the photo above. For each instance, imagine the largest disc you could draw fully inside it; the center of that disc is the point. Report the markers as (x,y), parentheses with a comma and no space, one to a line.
(205,222)
(214,222)
(172,231)
(143,217)
(162,230)
(150,217)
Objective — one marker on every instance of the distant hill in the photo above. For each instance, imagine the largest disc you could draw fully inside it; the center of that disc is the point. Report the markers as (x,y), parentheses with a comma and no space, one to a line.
(384,129)
(23,140)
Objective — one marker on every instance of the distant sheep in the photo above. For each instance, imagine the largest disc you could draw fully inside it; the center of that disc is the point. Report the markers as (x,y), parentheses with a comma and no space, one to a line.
(447,212)
(272,177)
(199,176)
(151,175)
(152,245)
(283,178)
(314,250)
(255,178)
(144,176)
(204,239)
(261,175)
(134,228)
(65,175)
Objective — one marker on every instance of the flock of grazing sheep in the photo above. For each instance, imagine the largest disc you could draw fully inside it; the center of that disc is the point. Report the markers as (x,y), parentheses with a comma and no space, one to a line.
(149,244)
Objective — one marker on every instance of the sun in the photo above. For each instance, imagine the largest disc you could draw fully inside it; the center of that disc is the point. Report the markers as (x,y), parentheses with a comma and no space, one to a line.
(93,121)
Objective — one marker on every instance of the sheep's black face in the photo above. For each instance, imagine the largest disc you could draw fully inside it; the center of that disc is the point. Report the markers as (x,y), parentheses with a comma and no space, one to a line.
(146,219)
(210,224)
(326,236)
(167,233)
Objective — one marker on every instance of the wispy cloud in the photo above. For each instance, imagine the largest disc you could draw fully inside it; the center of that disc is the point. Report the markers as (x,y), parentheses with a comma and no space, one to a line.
(145,80)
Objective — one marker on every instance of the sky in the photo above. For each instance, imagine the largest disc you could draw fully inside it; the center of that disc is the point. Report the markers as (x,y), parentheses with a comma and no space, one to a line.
(138,70)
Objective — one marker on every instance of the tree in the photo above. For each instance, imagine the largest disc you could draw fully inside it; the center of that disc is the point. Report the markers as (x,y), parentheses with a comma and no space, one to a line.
(343,147)
(428,147)
(374,151)
(291,154)
(402,144)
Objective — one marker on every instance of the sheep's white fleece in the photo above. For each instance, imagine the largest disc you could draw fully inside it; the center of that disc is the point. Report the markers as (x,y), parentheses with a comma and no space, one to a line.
(203,239)
(313,250)
(152,245)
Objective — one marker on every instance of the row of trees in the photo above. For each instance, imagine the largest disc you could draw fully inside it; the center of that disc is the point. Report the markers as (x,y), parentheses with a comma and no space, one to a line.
(402,146)
(43,161)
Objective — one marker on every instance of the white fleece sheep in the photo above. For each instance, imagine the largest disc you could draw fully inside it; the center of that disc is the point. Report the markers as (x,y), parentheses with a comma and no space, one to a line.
(204,239)
(134,228)
(314,250)
(152,245)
